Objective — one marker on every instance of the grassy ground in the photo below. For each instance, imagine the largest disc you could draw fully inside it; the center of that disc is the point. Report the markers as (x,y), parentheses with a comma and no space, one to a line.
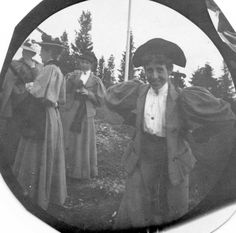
(94,204)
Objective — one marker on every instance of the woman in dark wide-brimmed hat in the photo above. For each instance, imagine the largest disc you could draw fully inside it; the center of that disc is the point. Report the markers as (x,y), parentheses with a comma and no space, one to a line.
(40,161)
(159,159)
(85,92)
(13,96)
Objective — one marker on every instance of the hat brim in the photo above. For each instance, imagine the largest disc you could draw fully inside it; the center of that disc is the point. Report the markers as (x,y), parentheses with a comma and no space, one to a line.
(91,59)
(160,47)
(28,49)
(51,44)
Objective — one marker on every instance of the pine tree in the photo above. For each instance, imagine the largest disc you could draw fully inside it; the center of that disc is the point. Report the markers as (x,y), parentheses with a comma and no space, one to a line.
(141,76)
(226,86)
(108,77)
(177,78)
(64,38)
(66,60)
(83,40)
(121,76)
(203,77)
(101,67)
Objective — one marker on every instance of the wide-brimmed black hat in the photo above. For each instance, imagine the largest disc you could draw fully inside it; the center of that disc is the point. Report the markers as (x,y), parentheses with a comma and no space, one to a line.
(89,56)
(162,47)
(48,40)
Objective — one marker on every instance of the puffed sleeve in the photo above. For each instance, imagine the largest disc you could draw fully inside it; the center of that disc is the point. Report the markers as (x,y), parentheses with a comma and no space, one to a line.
(123,96)
(200,109)
(97,93)
(41,82)
(49,85)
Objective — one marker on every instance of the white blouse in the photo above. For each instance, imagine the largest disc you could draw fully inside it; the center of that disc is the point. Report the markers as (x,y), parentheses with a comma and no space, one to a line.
(85,76)
(155,111)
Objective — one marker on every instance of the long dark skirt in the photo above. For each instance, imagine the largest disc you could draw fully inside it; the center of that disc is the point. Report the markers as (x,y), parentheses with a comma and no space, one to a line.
(145,199)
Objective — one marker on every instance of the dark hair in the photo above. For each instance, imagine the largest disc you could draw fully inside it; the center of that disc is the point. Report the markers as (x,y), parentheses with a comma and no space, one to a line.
(161,59)
(56,51)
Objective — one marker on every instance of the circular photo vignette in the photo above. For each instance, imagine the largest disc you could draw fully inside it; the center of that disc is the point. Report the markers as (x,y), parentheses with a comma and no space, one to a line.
(194,17)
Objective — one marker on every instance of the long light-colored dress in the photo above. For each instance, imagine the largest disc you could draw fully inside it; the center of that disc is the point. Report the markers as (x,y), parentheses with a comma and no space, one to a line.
(40,163)
(81,144)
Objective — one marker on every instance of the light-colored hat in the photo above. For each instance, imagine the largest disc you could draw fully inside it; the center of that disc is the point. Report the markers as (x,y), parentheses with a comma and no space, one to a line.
(29,46)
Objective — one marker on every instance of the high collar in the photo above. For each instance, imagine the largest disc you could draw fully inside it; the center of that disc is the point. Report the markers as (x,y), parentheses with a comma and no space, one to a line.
(87,72)
(162,91)
(85,76)
(52,62)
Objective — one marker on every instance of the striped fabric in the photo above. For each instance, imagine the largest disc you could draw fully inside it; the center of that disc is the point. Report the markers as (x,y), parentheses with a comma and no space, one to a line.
(225,30)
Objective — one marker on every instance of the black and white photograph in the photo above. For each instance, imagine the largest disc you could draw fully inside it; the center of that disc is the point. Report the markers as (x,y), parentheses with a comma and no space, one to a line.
(121,115)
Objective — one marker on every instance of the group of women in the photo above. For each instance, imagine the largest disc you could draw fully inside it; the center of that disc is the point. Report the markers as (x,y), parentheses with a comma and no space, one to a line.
(36,99)
(56,116)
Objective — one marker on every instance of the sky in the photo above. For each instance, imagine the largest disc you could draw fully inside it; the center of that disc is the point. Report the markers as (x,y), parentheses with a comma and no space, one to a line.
(148,20)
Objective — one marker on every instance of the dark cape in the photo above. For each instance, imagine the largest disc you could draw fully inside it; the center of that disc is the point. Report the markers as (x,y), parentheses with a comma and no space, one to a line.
(13,103)
(33,113)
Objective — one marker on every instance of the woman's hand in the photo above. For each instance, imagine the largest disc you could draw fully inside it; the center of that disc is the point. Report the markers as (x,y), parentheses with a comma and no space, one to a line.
(28,86)
(83,91)
(73,74)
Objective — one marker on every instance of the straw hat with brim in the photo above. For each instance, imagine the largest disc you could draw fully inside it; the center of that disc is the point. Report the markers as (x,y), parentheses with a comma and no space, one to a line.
(27,45)
(88,56)
(162,47)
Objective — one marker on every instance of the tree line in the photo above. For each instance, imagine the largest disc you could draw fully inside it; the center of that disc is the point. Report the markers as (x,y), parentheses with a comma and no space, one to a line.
(221,87)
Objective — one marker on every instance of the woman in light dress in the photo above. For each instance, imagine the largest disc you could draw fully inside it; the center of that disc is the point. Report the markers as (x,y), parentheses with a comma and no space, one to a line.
(40,160)
(85,92)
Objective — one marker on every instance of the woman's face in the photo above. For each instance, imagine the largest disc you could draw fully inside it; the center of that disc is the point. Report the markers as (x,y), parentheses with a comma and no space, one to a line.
(45,55)
(85,65)
(28,54)
(157,74)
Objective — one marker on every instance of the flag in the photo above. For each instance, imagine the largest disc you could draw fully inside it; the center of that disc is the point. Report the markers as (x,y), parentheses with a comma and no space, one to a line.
(225,30)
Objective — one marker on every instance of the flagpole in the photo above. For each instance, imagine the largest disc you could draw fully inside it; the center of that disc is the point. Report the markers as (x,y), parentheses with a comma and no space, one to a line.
(41,31)
(127,57)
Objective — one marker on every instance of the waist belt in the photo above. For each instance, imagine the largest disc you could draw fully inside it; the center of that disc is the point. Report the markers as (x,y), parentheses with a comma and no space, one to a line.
(153,137)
